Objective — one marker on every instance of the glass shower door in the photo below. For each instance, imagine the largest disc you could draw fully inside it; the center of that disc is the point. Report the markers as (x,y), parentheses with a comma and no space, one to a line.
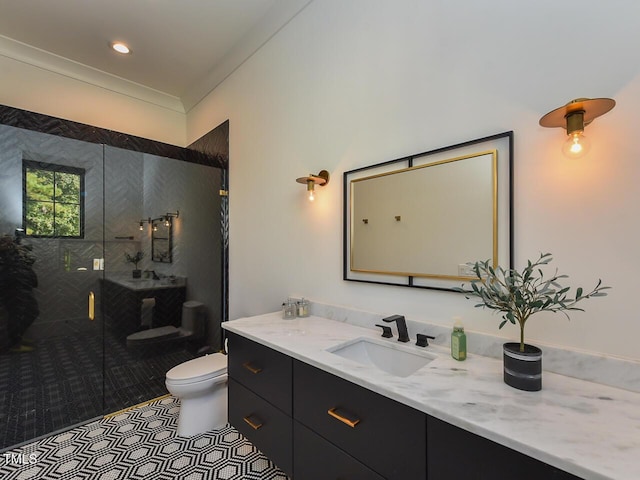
(51,264)
(143,314)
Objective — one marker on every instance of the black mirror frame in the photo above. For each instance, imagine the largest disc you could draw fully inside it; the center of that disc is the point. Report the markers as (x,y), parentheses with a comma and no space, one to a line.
(408,161)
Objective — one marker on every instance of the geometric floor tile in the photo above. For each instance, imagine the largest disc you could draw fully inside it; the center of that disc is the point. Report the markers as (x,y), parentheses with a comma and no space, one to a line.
(139,444)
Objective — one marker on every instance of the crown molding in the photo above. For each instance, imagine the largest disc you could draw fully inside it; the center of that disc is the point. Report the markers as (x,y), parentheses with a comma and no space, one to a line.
(36,57)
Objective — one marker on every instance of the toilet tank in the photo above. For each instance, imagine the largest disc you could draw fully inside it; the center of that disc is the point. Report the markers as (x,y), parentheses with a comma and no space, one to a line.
(194,318)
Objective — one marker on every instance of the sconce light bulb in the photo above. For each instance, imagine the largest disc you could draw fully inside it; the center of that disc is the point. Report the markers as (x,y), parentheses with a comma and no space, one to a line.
(141,226)
(155,228)
(576,145)
(167,222)
(310,189)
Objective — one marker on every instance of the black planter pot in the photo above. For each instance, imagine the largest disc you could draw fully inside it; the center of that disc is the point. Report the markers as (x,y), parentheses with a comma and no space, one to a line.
(137,273)
(522,370)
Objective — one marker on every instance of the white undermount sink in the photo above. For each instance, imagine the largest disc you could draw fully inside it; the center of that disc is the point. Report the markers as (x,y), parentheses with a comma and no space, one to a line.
(393,358)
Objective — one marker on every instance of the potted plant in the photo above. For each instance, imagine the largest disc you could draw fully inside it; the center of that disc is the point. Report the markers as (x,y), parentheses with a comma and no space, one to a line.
(518,296)
(135,259)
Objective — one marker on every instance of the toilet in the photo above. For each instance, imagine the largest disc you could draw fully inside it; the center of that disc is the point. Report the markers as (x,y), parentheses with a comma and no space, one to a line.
(201,386)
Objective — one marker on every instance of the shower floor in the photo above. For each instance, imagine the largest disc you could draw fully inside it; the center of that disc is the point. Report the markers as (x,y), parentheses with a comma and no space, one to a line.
(60,383)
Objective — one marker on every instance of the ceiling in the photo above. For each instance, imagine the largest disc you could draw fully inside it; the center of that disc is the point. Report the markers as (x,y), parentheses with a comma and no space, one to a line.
(180,49)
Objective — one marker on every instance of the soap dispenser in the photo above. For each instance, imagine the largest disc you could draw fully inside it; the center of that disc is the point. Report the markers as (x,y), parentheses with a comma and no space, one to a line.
(458,340)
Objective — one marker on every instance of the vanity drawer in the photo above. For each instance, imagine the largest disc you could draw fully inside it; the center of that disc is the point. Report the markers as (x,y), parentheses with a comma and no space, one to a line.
(387,436)
(265,426)
(262,370)
(316,459)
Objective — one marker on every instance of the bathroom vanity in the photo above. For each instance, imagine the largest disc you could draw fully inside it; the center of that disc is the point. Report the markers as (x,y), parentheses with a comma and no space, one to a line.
(317,414)
(123,299)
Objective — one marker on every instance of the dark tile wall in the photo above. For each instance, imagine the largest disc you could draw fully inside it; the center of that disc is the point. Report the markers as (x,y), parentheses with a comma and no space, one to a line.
(16,117)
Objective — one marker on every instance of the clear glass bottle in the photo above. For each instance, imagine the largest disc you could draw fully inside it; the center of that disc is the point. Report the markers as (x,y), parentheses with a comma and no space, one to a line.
(289,309)
(303,308)
(458,341)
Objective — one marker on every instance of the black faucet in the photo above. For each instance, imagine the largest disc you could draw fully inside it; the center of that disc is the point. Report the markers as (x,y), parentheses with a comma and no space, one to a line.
(423,340)
(403,334)
(386,331)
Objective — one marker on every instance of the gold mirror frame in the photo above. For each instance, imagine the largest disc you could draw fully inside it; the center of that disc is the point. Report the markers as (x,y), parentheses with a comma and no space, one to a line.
(498,149)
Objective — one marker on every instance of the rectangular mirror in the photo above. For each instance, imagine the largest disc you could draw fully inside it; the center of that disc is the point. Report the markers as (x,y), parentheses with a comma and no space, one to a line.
(161,240)
(418,220)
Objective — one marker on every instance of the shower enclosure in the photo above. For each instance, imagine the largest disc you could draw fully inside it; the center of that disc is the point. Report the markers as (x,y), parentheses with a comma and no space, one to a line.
(72,211)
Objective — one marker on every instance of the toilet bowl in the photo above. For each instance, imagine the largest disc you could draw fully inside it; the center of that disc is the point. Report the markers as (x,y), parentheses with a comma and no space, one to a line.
(201,386)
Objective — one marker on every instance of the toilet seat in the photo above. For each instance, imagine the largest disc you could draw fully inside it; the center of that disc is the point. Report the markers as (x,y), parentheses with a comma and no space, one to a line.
(198,369)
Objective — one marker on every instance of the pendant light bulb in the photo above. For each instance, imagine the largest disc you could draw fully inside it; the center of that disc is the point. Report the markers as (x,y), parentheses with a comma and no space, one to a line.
(576,145)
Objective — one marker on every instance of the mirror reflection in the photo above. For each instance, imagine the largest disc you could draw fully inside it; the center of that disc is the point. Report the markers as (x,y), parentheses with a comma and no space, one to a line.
(161,239)
(430,208)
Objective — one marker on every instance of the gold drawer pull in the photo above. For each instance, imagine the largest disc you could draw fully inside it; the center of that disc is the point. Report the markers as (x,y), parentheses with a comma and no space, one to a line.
(343,416)
(251,368)
(252,423)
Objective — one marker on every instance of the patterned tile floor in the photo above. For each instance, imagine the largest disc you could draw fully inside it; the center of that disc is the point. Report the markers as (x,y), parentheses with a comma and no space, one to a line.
(140,443)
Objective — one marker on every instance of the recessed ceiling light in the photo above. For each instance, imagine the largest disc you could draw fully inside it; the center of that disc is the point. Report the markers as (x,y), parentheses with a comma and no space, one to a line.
(120,47)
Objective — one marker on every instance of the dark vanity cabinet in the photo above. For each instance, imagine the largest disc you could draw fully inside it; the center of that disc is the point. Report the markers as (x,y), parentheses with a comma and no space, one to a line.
(282,406)
(457,453)
(260,398)
(386,436)
(123,303)
(316,426)
(317,459)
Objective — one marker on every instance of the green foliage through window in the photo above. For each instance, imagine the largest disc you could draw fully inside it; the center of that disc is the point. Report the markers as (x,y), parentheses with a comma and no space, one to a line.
(52,196)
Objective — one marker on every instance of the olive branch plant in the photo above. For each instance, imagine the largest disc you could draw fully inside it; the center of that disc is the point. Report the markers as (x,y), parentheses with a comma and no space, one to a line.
(135,259)
(519,295)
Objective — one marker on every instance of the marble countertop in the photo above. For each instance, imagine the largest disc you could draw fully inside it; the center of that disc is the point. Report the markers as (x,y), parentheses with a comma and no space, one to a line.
(127,281)
(587,429)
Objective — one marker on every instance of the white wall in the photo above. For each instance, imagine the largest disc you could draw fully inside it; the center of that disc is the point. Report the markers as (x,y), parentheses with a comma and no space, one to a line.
(39,90)
(352,83)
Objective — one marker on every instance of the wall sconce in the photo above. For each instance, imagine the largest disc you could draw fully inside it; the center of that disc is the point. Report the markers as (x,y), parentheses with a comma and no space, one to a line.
(574,116)
(169,216)
(143,221)
(311,181)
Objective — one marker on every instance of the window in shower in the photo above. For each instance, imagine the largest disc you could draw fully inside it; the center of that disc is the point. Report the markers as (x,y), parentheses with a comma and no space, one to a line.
(52,200)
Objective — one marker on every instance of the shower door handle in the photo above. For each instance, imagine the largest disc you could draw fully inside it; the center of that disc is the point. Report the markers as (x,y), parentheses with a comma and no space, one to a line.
(92,306)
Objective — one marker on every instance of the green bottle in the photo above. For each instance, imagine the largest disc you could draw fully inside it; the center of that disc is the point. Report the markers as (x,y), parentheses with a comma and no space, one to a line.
(458,341)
